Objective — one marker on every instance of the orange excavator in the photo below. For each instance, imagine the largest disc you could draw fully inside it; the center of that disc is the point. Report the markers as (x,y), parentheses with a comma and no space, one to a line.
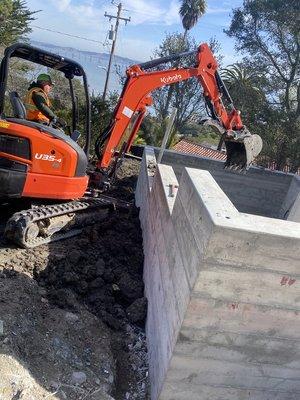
(41,163)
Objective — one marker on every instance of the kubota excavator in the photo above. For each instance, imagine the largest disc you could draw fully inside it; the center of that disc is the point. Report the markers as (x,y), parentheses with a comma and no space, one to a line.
(43,164)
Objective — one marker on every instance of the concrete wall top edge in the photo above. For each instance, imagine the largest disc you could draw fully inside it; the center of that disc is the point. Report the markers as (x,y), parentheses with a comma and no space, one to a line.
(169,184)
(224,215)
(146,176)
(259,191)
(273,226)
(211,193)
(150,163)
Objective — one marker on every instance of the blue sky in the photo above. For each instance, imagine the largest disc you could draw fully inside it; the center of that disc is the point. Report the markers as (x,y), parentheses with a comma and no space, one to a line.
(150,21)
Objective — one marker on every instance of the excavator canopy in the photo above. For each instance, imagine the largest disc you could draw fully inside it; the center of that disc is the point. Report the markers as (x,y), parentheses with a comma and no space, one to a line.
(69,68)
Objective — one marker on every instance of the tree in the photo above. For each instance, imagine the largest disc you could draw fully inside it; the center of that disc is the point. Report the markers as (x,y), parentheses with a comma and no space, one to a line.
(268,33)
(186,96)
(15,18)
(152,130)
(101,113)
(238,74)
(17,80)
(190,11)
(60,94)
(245,89)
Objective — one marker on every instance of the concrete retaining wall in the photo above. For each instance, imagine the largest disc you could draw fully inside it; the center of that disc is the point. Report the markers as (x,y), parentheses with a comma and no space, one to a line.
(223,291)
(259,192)
(290,208)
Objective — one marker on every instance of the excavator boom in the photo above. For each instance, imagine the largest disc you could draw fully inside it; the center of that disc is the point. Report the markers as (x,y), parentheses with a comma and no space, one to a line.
(241,146)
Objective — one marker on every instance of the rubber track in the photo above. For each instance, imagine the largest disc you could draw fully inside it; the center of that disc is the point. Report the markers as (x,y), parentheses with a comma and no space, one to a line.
(19,223)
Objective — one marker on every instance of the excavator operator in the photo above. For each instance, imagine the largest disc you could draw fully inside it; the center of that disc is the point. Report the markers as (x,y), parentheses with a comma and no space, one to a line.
(37,102)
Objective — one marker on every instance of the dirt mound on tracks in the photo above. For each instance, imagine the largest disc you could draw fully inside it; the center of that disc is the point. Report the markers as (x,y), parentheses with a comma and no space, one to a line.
(73,312)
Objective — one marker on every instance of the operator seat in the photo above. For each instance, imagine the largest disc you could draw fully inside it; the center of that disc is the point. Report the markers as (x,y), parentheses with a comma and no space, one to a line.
(19,109)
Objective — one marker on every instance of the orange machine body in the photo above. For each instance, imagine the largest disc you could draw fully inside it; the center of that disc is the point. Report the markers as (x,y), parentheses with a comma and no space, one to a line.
(136,96)
(40,162)
(43,162)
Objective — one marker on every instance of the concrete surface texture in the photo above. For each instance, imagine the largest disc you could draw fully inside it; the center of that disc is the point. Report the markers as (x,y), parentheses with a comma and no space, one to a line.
(290,208)
(259,191)
(223,290)
(294,214)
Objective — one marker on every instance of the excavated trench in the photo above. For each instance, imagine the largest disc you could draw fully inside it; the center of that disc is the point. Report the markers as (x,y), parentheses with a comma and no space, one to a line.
(56,299)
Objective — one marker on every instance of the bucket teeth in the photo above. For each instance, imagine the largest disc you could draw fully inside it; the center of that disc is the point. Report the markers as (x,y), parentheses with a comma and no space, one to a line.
(241,154)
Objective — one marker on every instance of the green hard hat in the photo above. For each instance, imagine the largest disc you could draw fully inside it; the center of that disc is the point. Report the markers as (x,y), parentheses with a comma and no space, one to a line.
(44,78)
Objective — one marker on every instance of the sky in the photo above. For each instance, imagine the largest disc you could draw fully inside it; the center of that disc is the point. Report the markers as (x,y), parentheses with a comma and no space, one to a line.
(150,21)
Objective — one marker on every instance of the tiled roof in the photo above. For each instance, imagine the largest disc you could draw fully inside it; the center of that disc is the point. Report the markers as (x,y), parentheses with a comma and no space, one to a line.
(184,146)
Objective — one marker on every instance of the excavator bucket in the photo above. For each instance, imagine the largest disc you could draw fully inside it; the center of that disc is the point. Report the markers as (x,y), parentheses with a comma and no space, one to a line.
(241,153)
(241,147)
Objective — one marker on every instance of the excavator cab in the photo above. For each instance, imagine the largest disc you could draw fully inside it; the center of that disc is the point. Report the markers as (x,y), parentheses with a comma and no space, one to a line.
(38,160)
(69,68)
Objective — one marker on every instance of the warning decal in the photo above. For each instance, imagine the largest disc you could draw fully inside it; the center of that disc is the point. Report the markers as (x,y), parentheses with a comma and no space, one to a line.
(127,111)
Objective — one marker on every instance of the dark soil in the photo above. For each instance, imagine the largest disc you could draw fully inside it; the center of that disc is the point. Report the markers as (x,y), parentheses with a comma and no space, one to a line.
(102,271)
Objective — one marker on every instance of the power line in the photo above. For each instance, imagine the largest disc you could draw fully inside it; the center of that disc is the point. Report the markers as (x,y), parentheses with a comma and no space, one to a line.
(67,34)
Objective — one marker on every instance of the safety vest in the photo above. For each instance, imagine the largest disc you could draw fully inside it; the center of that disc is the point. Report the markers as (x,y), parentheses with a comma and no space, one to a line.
(32,112)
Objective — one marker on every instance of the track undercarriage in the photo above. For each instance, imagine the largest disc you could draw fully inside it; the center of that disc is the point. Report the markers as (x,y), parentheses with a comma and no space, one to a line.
(49,223)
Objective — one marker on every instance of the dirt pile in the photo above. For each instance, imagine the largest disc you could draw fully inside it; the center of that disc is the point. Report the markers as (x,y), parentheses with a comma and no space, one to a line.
(84,311)
(103,269)
(45,350)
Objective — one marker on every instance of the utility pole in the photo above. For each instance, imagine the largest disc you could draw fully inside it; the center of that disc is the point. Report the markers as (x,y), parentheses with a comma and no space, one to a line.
(118,18)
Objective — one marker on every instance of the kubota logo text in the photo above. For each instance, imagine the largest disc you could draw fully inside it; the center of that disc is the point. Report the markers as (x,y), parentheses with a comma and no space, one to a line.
(169,79)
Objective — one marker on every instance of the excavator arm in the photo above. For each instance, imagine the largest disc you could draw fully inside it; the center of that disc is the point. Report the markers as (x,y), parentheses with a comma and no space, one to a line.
(241,146)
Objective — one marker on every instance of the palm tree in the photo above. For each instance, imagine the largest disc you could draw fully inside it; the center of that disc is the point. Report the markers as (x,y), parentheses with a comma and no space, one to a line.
(241,83)
(245,88)
(190,11)
(237,75)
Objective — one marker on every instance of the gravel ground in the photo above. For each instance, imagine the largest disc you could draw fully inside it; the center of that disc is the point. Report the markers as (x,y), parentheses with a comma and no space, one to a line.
(72,313)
